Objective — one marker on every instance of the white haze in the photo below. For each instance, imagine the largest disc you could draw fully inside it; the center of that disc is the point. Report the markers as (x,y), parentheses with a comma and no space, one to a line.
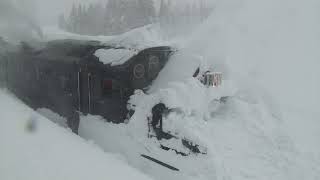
(272,47)
(18,20)
(23,19)
(48,10)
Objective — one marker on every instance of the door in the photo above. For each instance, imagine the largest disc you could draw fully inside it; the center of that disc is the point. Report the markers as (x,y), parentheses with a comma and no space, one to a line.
(3,72)
(84,91)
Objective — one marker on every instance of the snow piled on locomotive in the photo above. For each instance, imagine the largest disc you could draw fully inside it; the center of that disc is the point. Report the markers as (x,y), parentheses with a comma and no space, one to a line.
(139,38)
(115,56)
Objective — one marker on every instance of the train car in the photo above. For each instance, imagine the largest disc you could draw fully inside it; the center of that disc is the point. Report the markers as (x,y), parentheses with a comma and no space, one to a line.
(69,78)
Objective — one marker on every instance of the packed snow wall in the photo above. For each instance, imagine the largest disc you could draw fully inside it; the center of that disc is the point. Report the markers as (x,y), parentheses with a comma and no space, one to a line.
(271,48)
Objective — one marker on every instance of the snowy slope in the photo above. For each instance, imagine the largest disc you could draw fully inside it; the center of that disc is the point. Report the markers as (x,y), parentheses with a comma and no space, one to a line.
(33,148)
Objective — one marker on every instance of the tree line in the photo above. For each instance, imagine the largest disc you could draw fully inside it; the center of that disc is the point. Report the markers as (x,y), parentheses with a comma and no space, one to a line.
(118,16)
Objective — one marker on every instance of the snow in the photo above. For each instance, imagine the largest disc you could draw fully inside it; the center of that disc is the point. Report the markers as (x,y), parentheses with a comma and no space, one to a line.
(138,39)
(130,142)
(244,138)
(272,48)
(115,56)
(267,129)
(54,117)
(124,46)
(54,33)
(33,148)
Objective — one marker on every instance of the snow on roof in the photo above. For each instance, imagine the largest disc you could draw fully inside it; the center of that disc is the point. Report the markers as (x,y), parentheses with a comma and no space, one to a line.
(53,33)
(115,56)
(139,38)
(130,43)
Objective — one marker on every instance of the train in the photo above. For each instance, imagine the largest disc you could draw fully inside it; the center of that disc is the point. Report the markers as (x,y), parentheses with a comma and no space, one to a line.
(67,77)
(80,77)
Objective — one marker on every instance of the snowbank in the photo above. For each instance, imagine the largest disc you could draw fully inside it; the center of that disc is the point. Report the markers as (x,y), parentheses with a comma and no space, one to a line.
(269,129)
(244,138)
(270,47)
(273,44)
(32,148)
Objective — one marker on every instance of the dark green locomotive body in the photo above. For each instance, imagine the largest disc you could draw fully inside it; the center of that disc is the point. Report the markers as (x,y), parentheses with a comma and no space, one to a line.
(66,77)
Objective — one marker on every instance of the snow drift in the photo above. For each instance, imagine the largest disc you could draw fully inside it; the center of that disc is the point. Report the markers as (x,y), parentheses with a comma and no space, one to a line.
(265,49)
(268,52)
(270,47)
(34,148)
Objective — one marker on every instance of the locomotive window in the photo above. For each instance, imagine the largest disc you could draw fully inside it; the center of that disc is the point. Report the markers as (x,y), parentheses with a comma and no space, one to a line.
(107,85)
(154,66)
(139,71)
(110,86)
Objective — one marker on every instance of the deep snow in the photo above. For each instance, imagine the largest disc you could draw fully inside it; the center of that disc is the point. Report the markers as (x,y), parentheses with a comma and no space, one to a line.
(269,129)
(33,148)
(268,52)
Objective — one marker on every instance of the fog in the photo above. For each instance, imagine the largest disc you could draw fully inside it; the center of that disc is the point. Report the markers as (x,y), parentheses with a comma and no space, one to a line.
(23,19)
(18,20)
(48,10)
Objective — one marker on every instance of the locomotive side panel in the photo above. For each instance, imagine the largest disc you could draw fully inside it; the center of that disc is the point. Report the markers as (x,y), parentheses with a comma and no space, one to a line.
(3,71)
(70,84)
(45,84)
(58,89)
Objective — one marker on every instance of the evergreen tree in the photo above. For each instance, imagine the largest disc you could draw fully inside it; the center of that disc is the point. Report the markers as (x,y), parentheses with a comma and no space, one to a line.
(62,23)
(163,13)
(72,19)
(187,15)
(147,11)
(112,16)
(116,17)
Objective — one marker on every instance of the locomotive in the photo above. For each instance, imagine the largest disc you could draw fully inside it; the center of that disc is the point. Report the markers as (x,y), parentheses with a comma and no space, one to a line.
(67,77)
(80,77)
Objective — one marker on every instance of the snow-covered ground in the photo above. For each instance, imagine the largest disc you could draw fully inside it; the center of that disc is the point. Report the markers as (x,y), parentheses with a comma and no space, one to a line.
(245,138)
(268,129)
(33,148)
(268,52)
